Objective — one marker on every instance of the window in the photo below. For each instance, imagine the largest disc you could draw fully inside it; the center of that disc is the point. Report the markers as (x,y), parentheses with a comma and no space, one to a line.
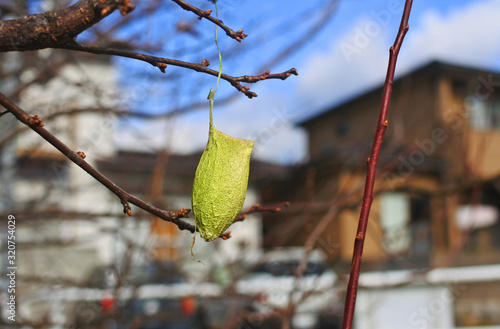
(395,220)
(484,113)
(480,217)
(405,220)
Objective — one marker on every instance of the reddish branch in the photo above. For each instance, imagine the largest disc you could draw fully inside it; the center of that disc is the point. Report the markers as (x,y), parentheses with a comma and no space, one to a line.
(162,63)
(258,208)
(372,168)
(238,36)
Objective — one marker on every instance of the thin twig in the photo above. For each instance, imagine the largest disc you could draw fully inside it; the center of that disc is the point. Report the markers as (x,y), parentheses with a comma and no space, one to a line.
(35,123)
(307,36)
(161,63)
(258,208)
(382,124)
(238,36)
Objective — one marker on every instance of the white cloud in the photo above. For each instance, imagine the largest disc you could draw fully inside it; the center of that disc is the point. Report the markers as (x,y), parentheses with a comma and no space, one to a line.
(352,64)
(267,120)
(468,35)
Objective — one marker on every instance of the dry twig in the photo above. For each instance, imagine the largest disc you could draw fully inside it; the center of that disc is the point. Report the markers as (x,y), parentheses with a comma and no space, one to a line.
(35,123)
(161,63)
(258,208)
(59,29)
(238,36)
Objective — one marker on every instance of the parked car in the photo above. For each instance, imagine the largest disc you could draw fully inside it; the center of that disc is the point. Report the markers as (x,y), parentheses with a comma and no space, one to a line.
(274,283)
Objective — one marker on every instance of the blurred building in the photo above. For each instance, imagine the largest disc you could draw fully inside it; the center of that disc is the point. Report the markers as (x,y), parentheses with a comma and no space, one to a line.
(432,253)
(167,180)
(69,226)
(437,198)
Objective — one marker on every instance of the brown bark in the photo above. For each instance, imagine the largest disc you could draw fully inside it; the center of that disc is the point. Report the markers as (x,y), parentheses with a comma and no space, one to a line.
(52,29)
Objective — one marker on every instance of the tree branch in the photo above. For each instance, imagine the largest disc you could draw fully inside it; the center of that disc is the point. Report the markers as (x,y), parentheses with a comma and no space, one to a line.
(238,36)
(258,208)
(382,124)
(161,63)
(59,29)
(35,123)
(50,29)
(255,208)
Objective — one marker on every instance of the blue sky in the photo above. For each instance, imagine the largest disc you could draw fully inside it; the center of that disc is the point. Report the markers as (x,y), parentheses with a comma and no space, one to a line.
(348,57)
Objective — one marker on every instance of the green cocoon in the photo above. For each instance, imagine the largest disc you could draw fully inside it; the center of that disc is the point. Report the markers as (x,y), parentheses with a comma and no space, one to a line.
(220,182)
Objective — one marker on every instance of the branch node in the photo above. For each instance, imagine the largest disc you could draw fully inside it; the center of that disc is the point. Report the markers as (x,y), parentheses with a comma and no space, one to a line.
(126,7)
(205,14)
(126,209)
(239,35)
(182,213)
(205,62)
(162,67)
(105,11)
(35,121)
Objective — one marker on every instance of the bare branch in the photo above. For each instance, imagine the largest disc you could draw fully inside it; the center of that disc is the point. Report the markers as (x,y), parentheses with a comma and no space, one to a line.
(307,36)
(382,124)
(238,36)
(161,63)
(35,123)
(258,208)
(49,29)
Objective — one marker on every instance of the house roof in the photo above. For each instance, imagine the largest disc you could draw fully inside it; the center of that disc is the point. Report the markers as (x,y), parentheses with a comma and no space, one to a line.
(134,170)
(131,161)
(431,68)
